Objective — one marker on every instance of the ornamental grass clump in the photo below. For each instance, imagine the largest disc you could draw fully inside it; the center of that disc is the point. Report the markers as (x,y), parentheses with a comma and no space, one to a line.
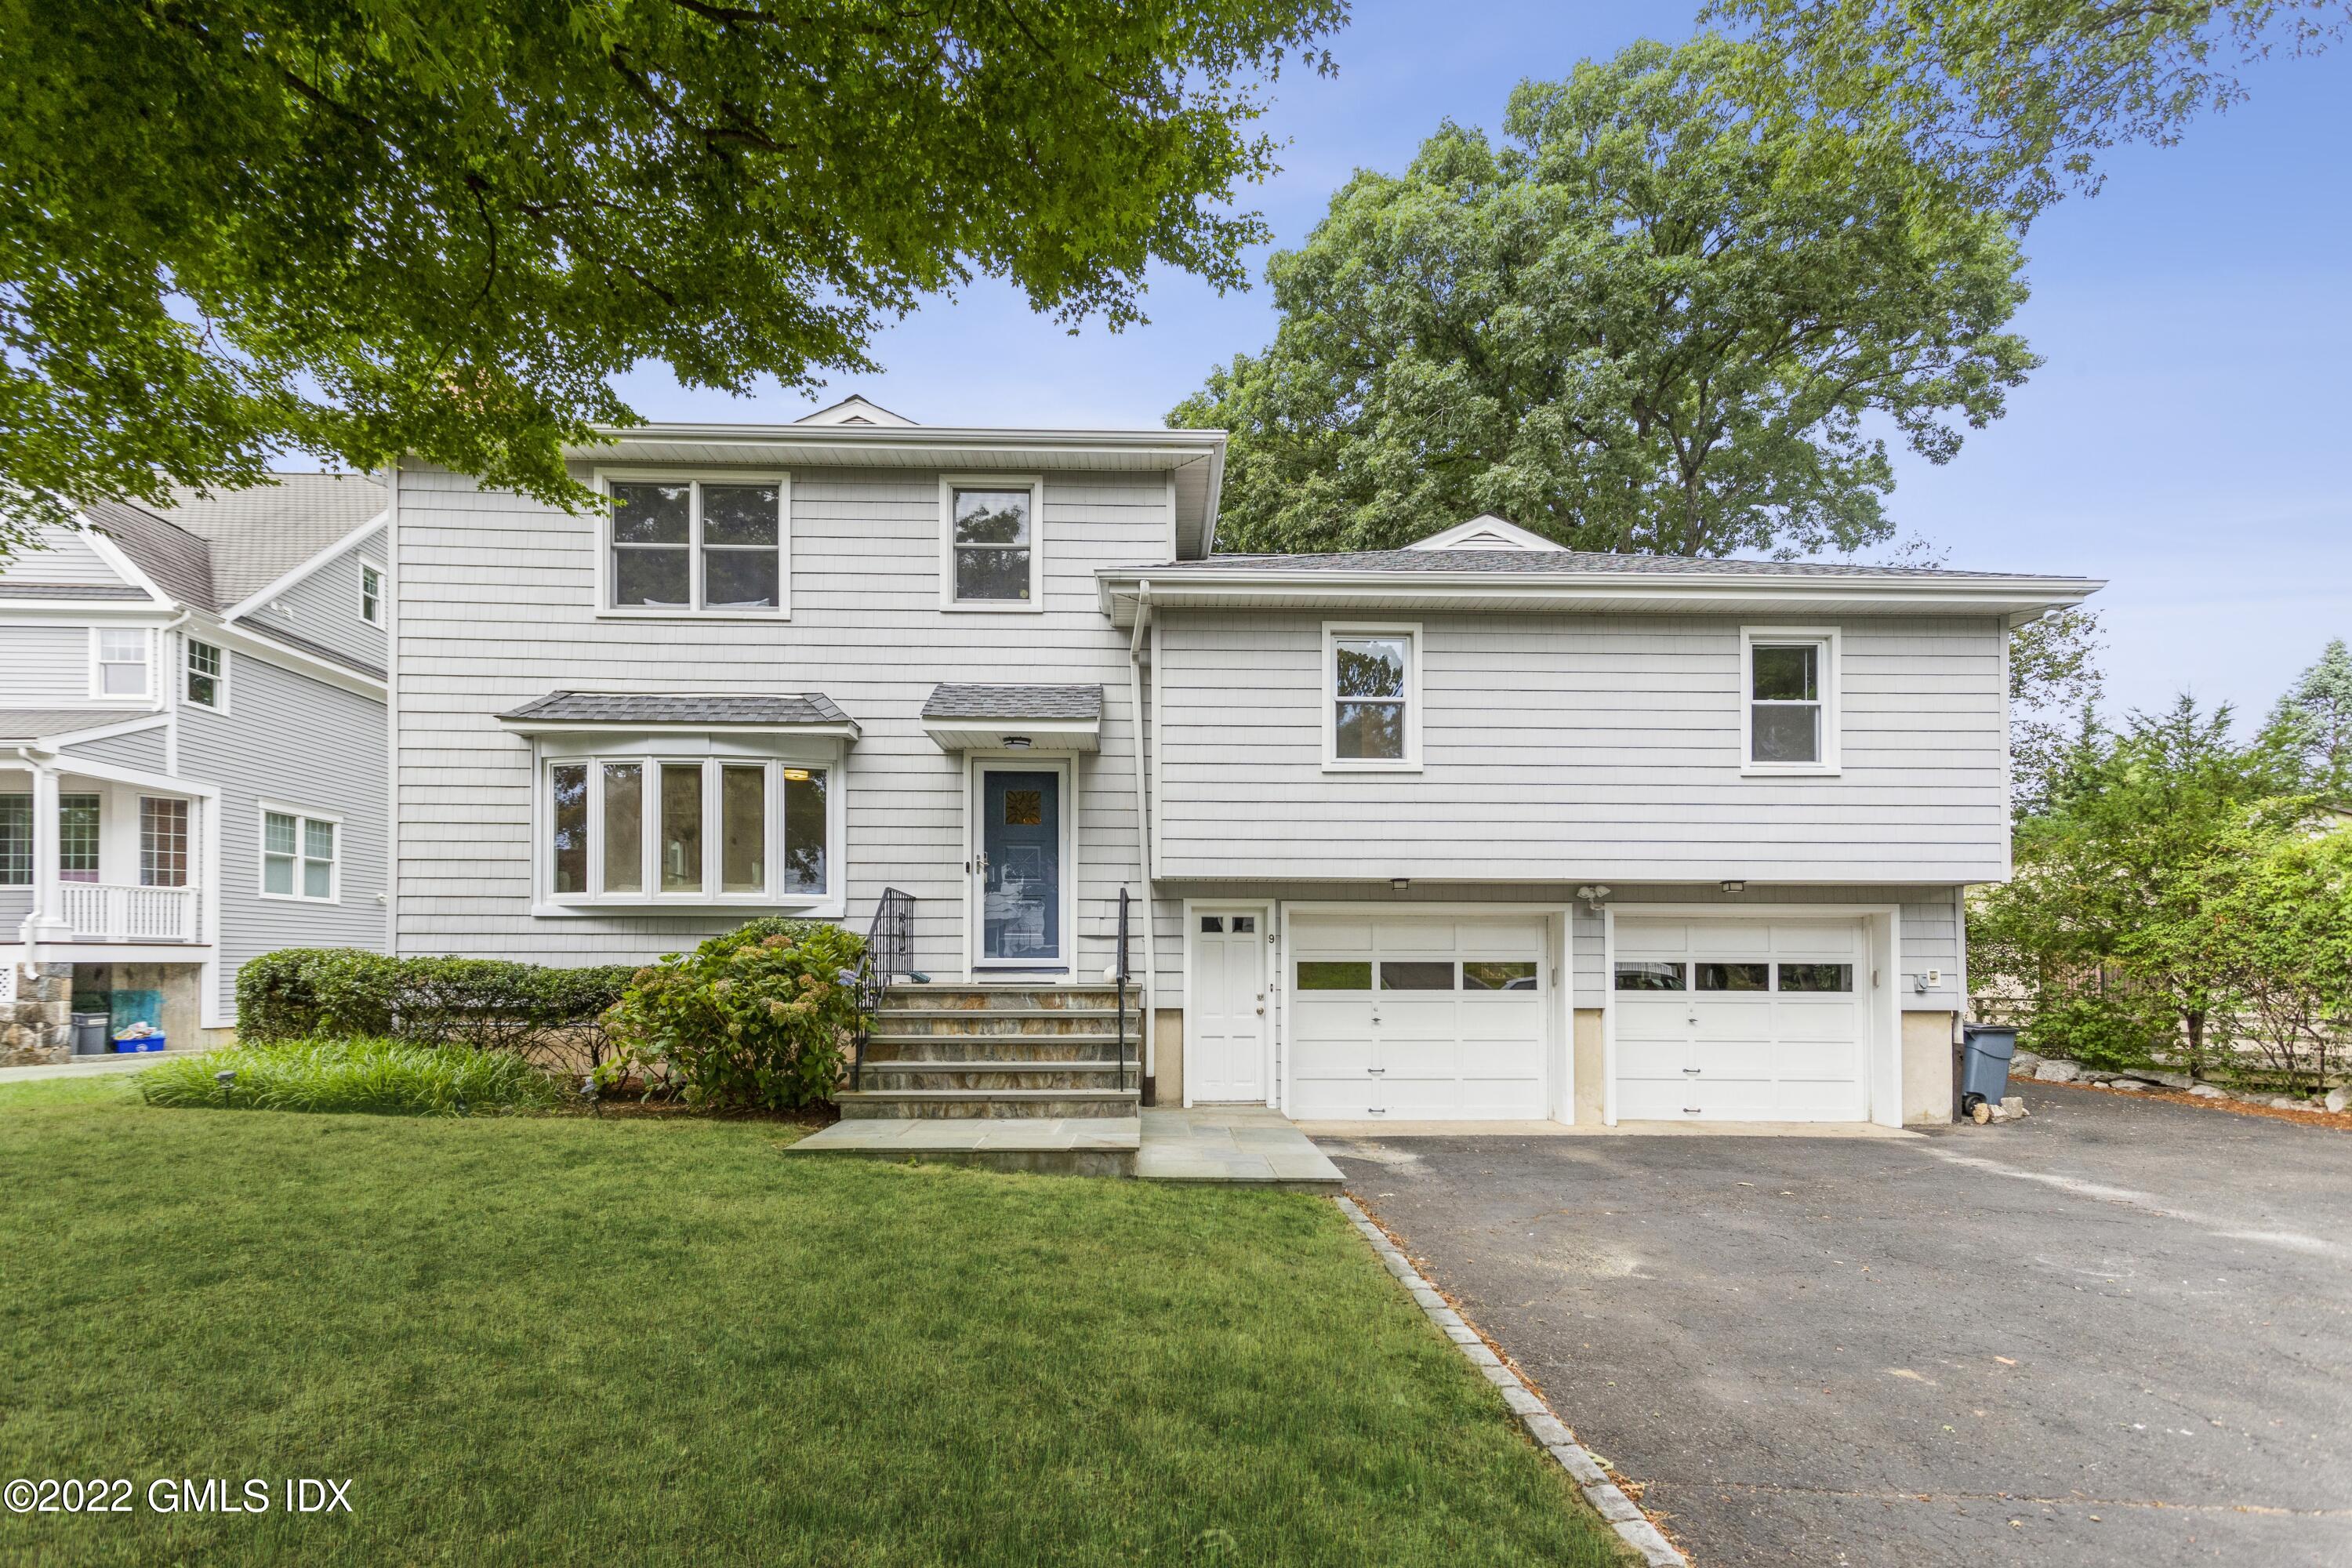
(383,1077)
(760,1019)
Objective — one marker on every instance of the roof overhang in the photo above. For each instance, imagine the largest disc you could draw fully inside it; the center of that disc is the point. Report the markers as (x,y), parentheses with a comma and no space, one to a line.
(1194,460)
(1015,735)
(2016,599)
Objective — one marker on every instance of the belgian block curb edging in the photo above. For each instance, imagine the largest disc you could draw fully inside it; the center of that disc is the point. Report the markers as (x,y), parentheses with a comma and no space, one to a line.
(1551,1434)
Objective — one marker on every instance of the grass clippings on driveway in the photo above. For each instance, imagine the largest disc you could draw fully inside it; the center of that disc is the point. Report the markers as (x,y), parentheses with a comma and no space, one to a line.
(573,1339)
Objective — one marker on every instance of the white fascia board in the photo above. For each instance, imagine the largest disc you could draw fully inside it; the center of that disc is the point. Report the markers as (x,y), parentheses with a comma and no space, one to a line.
(106,550)
(1178,443)
(257,644)
(253,602)
(843,731)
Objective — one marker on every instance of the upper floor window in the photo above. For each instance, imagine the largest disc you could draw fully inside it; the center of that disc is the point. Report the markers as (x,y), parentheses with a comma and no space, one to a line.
(1790,710)
(298,856)
(371,594)
(651,830)
(118,661)
(993,556)
(207,676)
(697,547)
(1371,698)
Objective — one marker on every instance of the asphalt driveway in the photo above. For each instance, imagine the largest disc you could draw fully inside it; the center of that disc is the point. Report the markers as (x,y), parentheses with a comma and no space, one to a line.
(2118,1333)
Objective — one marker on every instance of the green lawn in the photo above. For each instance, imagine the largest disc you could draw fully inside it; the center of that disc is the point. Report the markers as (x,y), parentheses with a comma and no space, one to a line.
(577,1340)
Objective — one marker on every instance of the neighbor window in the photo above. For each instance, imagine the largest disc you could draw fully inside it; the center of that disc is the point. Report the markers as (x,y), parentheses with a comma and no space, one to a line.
(297,856)
(371,594)
(162,842)
(1791,702)
(120,656)
(77,816)
(654,831)
(697,547)
(993,560)
(208,675)
(1371,690)
(15,840)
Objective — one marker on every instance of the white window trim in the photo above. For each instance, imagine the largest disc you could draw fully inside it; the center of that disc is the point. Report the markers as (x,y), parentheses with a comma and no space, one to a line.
(1833,703)
(650,753)
(98,692)
(377,619)
(188,671)
(302,815)
(604,478)
(1036,485)
(1332,632)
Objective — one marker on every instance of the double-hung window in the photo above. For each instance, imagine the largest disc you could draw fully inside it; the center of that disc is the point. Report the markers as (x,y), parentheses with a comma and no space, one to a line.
(298,856)
(371,594)
(207,676)
(118,661)
(651,830)
(163,841)
(15,840)
(993,555)
(1371,698)
(1789,707)
(697,547)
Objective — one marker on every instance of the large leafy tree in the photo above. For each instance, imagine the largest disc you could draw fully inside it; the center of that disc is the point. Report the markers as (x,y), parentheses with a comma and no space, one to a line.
(2019,96)
(1647,319)
(2055,684)
(231,227)
(2317,708)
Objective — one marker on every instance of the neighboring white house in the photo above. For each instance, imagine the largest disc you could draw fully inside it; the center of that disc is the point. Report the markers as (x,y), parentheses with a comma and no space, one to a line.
(192,751)
(1477,829)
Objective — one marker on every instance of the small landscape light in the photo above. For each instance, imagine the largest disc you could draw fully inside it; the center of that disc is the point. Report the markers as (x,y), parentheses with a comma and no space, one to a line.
(228,1076)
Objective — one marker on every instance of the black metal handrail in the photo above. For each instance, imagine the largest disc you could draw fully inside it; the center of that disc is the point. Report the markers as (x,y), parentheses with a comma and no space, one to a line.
(889,953)
(1121,969)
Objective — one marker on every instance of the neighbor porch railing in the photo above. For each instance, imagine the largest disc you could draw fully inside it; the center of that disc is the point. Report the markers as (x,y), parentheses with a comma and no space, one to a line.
(889,953)
(116,911)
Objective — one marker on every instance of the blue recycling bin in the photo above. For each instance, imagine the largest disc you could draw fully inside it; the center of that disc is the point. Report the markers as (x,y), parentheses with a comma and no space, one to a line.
(1985,1053)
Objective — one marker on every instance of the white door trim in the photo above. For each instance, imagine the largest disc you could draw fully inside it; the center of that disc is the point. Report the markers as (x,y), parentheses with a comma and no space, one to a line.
(1883,933)
(976,764)
(1559,1030)
(1264,910)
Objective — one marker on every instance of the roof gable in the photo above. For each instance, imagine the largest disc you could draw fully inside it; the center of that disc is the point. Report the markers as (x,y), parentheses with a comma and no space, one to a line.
(1485,531)
(855,410)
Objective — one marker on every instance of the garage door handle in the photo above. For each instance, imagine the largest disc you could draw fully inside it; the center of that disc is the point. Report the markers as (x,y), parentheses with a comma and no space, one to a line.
(1692,1071)
(1376,1070)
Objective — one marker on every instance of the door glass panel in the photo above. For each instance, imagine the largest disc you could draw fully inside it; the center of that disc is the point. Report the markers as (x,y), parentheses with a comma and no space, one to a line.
(804,830)
(1734,976)
(681,827)
(1417,974)
(1212,925)
(1498,975)
(1245,924)
(1648,974)
(1817,977)
(742,829)
(1021,885)
(1334,974)
(624,827)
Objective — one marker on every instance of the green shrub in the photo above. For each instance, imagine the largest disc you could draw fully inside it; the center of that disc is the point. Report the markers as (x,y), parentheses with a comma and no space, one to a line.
(2119,1030)
(758,1018)
(337,992)
(387,1078)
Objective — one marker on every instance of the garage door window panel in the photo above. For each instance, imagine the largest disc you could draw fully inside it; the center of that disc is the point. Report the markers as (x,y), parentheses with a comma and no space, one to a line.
(1488,974)
(1414,974)
(1816,977)
(1329,974)
(1734,976)
(1648,974)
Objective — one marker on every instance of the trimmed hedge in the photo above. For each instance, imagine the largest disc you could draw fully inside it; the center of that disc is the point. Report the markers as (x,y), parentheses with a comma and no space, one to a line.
(341,993)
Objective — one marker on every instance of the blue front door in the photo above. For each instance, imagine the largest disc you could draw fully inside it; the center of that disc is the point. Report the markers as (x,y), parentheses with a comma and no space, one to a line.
(1021,851)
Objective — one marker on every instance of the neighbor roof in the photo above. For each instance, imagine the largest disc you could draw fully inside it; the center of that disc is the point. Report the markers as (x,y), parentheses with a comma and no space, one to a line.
(259,535)
(175,560)
(954,700)
(677,708)
(71,591)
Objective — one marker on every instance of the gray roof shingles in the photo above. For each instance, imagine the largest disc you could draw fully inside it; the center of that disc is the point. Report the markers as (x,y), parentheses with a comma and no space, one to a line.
(259,535)
(1540,562)
(678,708)
(954,700)
(179,562)
(71,590)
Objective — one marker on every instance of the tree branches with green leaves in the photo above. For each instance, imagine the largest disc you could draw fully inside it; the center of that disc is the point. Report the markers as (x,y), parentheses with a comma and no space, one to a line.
(1647,319)
(2018,97)
(234,227)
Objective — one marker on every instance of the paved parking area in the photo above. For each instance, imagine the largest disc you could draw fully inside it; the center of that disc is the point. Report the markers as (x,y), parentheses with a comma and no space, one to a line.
(2118,1333)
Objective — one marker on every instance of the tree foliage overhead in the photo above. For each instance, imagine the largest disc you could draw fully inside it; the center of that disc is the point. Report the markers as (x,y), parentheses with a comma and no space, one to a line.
(1647,319)
(359,229)
(2019,96)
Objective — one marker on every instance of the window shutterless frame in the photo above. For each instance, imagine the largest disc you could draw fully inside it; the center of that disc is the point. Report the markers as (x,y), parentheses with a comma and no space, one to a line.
(1034,485)
(204,678)
(1407,698)
(121,664)
(701,542)
(1824,703)
(315,843)
(370,593)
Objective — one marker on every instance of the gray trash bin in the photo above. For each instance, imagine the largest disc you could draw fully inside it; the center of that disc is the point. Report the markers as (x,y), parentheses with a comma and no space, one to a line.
(91,1036)
(1984,1064)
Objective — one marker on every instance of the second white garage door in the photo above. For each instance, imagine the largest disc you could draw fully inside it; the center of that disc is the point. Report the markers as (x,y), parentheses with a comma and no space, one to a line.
(1753,1020)
(1405,1018)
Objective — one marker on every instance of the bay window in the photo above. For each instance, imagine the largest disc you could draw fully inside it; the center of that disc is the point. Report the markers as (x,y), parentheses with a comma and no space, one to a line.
(648,831)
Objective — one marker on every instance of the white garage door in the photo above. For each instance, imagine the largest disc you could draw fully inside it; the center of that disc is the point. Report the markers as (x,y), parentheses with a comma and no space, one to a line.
(1741,1020)
(1411,1017)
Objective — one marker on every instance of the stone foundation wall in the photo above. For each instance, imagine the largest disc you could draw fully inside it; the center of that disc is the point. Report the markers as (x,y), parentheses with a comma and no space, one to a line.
(36,1028)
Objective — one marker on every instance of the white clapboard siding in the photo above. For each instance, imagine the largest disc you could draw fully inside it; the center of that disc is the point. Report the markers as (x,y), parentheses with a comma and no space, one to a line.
(45,666)
(293,742)
(143,749)
(1583,747)
(324,606)
(497,607)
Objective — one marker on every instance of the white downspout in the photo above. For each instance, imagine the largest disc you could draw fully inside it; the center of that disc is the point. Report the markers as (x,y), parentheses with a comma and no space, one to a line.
(174,677)
(1143,829)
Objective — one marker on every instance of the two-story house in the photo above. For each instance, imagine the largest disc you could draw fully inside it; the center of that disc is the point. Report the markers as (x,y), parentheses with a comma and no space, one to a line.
(1476,829)
(192,752)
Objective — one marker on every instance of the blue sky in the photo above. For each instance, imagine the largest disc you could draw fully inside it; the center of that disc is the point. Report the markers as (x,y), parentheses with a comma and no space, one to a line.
(2184,439)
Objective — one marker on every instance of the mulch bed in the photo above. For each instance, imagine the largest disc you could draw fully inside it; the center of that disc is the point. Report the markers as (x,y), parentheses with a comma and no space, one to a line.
(2339,1119)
